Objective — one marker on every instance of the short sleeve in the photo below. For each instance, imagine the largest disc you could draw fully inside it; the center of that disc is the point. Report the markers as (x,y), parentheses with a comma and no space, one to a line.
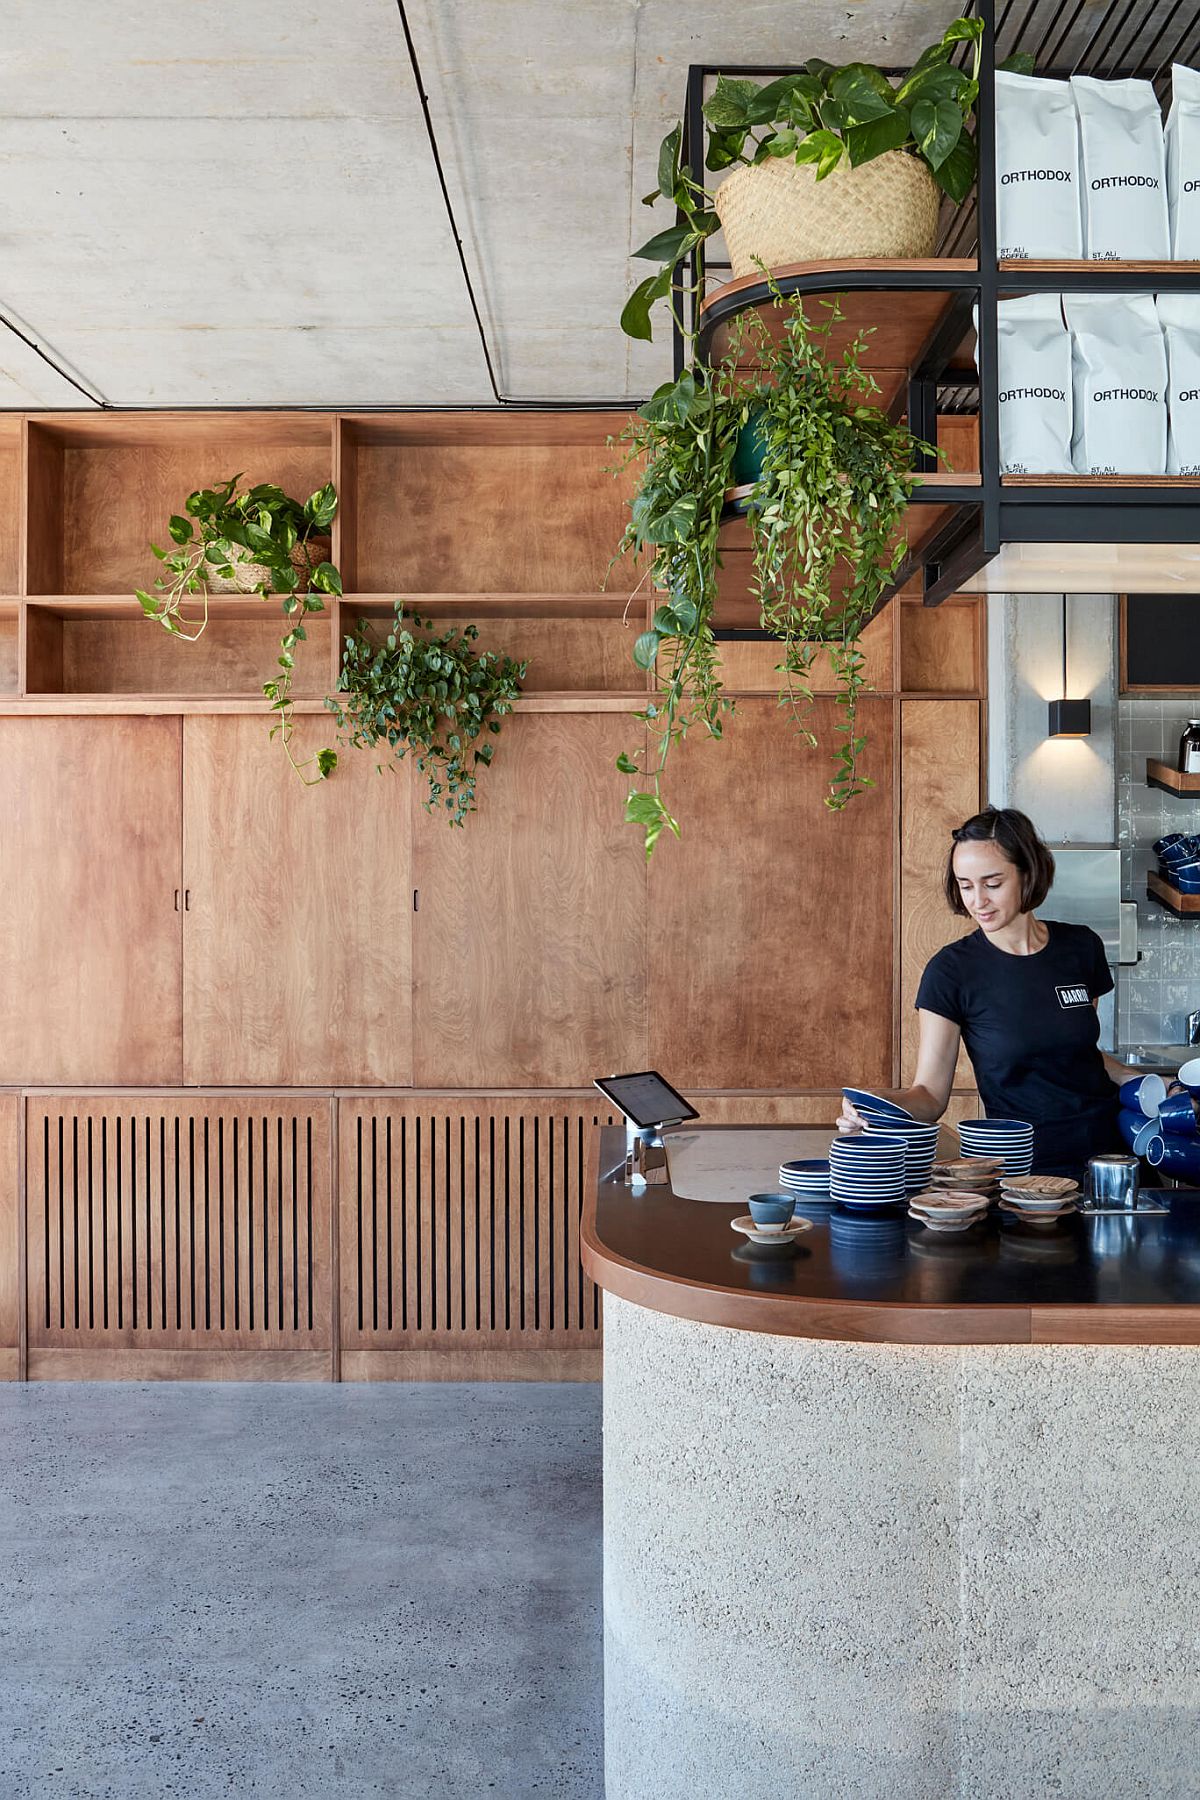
(1100,976)
(939,991)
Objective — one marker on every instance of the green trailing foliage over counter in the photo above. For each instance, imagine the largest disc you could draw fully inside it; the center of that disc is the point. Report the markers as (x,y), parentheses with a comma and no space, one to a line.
(825,511)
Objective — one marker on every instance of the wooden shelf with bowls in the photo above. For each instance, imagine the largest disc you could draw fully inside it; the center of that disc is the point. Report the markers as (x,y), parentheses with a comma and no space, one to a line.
(1184,906)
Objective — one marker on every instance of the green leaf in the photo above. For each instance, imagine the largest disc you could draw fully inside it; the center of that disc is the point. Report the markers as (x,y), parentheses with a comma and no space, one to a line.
(667,246)
(635,316)
(672,402)
(724,149)
(963,31)
(860,96)
(728,106)
(645,650)
(936,128)
(668,161)
(956,175)
(865,142)
(181,529)
(940,82)
(643,809)
(823,148)
(149,604)
(626,764)
(782,144)
(326,578)
(1019,64)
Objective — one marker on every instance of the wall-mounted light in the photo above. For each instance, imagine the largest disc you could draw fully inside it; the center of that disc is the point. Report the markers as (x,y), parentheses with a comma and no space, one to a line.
(1069,718)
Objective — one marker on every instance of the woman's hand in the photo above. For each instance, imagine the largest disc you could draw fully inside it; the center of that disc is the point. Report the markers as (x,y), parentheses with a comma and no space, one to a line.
(849,1119)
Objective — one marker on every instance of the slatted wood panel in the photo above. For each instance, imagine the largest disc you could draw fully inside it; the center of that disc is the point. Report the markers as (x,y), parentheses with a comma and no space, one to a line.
(176,1226)
(459,1226)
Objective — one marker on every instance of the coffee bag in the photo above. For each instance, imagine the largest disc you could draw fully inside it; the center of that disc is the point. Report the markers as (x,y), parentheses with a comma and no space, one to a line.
(1037,169)
(1119,366)
(1179,316)
(1182,141)
(1124,171)
(1034,352)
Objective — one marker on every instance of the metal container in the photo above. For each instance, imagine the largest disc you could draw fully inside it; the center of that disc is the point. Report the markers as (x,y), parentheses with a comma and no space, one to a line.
(1113,1180)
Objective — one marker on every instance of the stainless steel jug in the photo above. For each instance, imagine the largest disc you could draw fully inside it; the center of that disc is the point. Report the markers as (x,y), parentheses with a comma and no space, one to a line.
(1113,1180)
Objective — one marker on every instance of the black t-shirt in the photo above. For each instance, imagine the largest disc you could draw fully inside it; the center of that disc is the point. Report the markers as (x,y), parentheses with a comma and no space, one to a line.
(1031,1031)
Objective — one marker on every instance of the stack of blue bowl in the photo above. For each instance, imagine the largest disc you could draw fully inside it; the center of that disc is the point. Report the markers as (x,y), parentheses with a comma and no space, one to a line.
(920,1147)
(1169,1139)
(867,1171)
(1179,861)
(1010,1141)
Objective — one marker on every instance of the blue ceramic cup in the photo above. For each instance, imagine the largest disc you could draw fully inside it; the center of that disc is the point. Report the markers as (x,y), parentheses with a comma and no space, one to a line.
(1144,1094)
(1177,1115)
(1137,1129)
(1180,1157)
(1163,844)
(1189,1074)
(772,1210)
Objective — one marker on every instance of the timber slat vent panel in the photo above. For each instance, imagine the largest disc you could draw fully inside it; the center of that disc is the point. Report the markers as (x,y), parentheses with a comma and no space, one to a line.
(460,1224)
(165,1225)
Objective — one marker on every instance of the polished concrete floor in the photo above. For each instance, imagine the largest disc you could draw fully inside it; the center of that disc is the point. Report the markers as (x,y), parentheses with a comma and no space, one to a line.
(300,1591)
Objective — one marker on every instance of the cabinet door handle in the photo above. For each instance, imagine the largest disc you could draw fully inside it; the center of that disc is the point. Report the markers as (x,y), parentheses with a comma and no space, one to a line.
(416,899)
(176,899)
(187,899)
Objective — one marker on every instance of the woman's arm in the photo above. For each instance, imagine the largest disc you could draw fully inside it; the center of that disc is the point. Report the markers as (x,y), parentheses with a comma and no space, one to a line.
(937,1058)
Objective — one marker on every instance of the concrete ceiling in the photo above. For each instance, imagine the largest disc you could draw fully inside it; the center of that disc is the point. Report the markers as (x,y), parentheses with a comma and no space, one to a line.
(234,202)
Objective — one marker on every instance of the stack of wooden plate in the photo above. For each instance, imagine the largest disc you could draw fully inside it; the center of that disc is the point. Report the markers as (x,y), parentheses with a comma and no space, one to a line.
(1041,1201)
(972,1175)
(947,1211)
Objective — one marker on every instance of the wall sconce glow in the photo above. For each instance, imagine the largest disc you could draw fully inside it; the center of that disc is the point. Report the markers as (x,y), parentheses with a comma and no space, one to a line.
(1068,718)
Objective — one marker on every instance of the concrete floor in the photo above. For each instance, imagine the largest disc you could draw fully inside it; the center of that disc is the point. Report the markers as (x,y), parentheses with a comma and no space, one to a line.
(301,1591)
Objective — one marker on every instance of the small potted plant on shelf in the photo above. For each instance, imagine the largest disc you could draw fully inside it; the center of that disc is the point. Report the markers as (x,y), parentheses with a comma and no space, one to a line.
(433,694)
(256,540)
(831,162)
(825,509)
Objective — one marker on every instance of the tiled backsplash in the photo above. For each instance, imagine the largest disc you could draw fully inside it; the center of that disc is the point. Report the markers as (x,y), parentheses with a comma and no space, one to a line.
(1156,994)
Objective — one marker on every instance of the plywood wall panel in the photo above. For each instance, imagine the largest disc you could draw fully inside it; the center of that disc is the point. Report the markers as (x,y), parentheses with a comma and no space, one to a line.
(769,953)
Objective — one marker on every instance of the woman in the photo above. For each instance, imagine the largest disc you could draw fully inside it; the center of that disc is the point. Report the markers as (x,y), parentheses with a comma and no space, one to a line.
(1020,993)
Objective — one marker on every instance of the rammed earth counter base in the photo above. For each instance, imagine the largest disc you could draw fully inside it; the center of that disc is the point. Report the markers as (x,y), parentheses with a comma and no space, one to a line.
(927,1567)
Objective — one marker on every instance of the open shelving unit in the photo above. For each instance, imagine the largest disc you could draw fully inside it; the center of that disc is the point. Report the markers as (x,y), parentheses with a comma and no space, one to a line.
(978,529)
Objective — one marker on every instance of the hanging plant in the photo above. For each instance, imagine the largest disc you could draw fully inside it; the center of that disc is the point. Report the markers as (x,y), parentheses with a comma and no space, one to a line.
(825,511)
(434,695)
(253,541)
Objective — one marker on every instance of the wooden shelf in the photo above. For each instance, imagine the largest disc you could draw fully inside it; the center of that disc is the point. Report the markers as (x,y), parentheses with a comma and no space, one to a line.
(1162,775)
(1184,906)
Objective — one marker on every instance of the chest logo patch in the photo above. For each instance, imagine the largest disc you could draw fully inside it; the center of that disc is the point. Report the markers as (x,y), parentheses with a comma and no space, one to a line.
(1072,996)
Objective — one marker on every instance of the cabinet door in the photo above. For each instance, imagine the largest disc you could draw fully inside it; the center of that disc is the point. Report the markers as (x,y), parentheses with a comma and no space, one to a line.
(297,933)
(770,938)
(530,934)
(89,931)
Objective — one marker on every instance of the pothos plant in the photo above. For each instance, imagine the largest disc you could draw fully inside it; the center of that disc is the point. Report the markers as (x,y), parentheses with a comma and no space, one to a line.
(435,695)
(261,530)
(825,515)
(824,115)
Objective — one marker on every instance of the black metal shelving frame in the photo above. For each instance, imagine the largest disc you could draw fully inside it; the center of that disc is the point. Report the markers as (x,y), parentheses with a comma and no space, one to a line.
(1120,38)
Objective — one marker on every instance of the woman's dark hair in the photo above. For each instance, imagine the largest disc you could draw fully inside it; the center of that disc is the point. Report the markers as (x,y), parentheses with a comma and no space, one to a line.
(1018,838)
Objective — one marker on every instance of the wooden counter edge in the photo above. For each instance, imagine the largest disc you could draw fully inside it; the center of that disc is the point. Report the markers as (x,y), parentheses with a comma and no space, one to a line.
(858,1322)
(1115,1325)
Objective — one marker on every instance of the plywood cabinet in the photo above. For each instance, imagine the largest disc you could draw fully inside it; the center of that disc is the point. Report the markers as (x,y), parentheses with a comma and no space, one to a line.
(529,937)
(770,924)
(297,928)
(90,926)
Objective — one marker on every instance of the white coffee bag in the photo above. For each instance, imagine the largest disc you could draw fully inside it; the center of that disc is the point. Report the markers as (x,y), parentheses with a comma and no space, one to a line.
(1034,352)
(1179,316)
(1037,169)
(1119,365)
(1182,139)
(1124,171)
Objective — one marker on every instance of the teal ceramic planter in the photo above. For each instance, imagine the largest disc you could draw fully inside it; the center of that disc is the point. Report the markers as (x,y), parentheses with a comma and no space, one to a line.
(751,450)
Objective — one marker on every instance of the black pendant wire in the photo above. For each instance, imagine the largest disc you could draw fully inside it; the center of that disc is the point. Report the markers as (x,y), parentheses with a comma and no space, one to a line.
(1064,644)
(91,394)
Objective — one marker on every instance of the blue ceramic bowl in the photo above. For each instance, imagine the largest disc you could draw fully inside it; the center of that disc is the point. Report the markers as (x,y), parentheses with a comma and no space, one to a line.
(1178,1156)
(1163,844)
(1186,884)
(1137,1129)
(1144,1094)
(1177,1115)
(1177,850)
(772,1209)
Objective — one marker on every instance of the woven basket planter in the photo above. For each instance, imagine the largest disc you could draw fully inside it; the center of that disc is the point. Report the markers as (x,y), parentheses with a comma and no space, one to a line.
(777,212)
(248,575)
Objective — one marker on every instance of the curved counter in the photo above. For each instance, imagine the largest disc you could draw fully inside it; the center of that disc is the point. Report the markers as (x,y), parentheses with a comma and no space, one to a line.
(885,1524)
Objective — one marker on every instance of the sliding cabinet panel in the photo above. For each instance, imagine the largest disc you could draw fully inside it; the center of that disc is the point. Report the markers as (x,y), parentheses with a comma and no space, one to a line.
(89,926)
(770,934)
(529,935)
(10,1290)
(176,1226)
(299,912)
(459,1224)
(941,780)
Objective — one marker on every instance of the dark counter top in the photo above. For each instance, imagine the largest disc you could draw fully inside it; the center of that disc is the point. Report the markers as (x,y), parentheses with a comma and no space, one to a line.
(1109,1278)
